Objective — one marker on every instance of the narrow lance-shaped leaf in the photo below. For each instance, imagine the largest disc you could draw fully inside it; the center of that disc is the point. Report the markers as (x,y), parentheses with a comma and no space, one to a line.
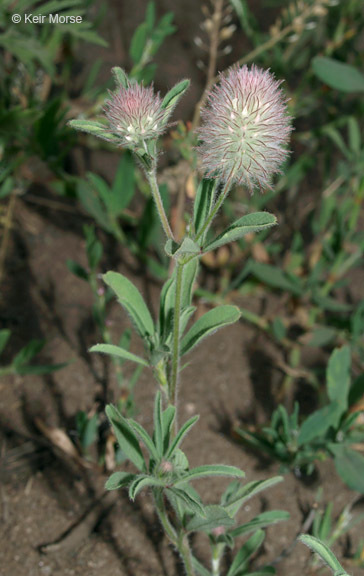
(119,480)
(246,551)
(125,437)
(119,352)
(319,422)
(203,204)
(131,299)
(338,376)
(158,424)
(256,222)
(123,186)
(168,416)
(145,438)
(338,75)
(4,337)
(187,503)
(324,552)
(208,324)
(189,275)
(210,470)
(236,495)
(261,521)
(94,128)
(120,76)
(141,482)
(349,465)
(171,98)
(181,434)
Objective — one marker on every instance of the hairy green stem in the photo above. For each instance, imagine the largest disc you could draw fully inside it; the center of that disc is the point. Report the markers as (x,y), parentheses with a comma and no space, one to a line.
(173,387)
(152,179)
(163,517)
(185,552)
(217,552)
(180,541)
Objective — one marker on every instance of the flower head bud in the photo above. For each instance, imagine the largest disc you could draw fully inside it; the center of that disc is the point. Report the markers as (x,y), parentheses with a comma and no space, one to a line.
(135,115)
(218,531)
(166,466)
(245,128)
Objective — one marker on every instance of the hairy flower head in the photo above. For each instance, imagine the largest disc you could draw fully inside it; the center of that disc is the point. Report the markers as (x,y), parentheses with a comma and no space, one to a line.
(245,128)
(135,115)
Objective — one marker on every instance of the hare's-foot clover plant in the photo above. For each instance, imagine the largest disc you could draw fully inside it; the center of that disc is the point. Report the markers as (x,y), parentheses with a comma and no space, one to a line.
(243,137)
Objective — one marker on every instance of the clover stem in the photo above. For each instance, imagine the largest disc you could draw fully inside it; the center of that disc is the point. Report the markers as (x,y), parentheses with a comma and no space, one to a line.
(173,390)
(180,541)
(152,179)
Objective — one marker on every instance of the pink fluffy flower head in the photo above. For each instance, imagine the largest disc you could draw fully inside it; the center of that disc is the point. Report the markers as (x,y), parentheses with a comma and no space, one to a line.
(245,128)
(135,115)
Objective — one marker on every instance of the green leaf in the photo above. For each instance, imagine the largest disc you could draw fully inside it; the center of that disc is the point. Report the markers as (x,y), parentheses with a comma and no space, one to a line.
(354,135)
(145,438)
(57,6)
(188,503)
(150,16)
(27,353)
(119,480)
(324,552)
(87,429)
(39,370)
(126,438)
(141,482)
(356,390)
(123,187)
(4,337)
(210,470)
(187,248)
(131,299)
(330,304)
(261,521)
(236,495)
(349,465)
(274,277)
(171,98)
(203,204)
(120,76)
(100,186)
(322,336)
(181,434)
(338,75)
(246,551)
(318,423)
(92,203)
(338,376)
(77,269)
(263,571)
(185,317)
(208,323)
(158,424)
(189,276)
(214,516)
(138,42)
(168,416)
(119,352)
(94,248)
(256,222)
(94,128)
